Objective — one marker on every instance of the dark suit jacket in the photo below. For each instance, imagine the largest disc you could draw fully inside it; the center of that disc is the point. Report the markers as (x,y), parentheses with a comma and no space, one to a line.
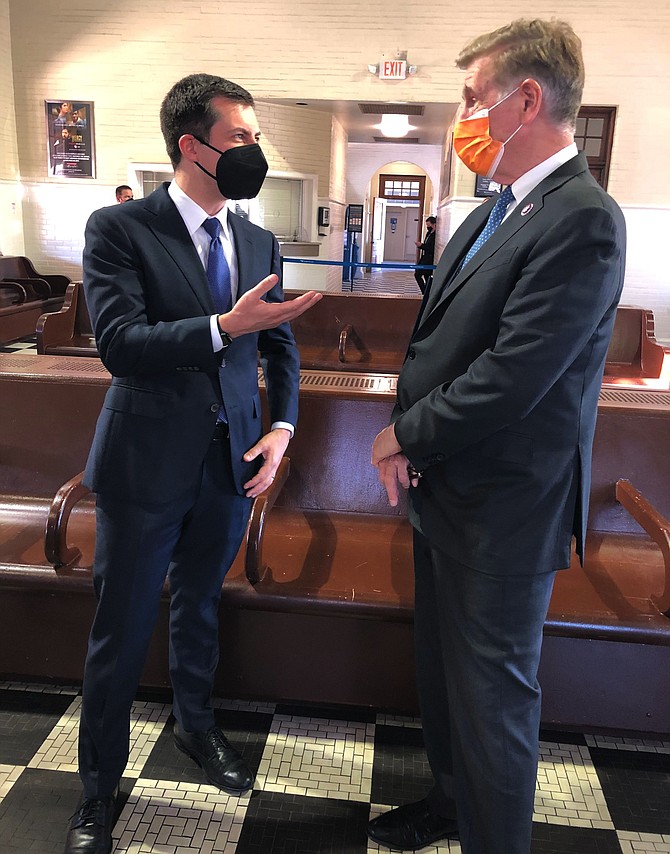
(497,398)
(150,305)
(427,249)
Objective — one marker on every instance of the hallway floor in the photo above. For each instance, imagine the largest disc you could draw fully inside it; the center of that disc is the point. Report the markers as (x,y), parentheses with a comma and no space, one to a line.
(321,775)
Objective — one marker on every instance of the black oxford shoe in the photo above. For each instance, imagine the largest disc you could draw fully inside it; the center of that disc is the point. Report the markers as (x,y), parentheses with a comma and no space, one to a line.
(222,764)
(91,827)
(411,827)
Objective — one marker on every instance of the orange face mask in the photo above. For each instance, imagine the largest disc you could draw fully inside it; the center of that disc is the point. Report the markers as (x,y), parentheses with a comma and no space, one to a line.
(475,146)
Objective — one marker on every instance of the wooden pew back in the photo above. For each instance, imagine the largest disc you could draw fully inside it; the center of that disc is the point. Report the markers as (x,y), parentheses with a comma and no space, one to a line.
(67,332)
(633,351)
(13,266)
(355,332)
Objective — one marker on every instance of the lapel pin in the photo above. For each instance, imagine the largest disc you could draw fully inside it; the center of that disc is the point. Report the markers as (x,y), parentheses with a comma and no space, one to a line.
(527,209)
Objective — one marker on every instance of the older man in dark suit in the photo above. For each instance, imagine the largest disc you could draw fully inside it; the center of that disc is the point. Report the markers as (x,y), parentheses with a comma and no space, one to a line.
(493,430)
(183,297)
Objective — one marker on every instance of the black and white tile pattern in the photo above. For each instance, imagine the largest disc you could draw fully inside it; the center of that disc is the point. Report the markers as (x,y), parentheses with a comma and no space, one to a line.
(27,346)
(322,774)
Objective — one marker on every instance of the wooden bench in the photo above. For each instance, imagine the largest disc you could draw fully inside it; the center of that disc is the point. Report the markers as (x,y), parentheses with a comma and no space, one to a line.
(67,332)
(22,302)
(355,332)
(633,353)
(329,618)
(17,267)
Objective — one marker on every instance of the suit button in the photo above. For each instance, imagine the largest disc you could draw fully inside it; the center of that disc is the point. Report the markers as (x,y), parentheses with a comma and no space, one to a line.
(412,353)
(439,457)
(214,407)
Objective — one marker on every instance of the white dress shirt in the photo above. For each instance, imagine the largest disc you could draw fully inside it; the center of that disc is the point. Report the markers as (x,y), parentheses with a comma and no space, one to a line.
(529,180)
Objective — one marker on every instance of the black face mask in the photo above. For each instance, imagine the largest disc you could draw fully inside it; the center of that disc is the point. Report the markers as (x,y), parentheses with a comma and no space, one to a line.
(240,171)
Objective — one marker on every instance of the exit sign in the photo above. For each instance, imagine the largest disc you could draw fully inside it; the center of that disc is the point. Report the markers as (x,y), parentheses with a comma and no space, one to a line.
(393,69)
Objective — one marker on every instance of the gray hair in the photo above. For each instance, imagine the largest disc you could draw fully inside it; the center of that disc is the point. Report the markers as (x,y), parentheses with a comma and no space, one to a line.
(549,52)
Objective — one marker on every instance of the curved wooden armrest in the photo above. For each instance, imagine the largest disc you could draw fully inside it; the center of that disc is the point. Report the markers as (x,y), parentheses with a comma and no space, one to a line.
(253,562)
(17,288)
(36,288)
(656,525)
(342,346)
(56,327)
(55,538)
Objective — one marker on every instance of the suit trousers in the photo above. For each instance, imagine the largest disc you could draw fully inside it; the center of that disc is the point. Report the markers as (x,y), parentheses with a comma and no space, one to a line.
(193,541)
(478,640)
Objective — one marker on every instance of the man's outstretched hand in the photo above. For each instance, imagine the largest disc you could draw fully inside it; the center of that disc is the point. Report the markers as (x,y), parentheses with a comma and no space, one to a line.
(251,313)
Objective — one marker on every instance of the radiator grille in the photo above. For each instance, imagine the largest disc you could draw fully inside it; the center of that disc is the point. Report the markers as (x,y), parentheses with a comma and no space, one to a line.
(375,383)
(53,368)
(634,398)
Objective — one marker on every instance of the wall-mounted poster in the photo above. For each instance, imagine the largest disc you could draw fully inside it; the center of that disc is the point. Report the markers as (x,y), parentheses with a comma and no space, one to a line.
(486,187)
(70,139)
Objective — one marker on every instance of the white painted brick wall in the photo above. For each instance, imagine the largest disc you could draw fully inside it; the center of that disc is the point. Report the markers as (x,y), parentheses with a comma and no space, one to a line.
(125,55)
(11,228)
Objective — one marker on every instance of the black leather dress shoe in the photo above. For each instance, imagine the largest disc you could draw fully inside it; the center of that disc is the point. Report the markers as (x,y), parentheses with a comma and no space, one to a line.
(411,827)
(91,827)
(222,764)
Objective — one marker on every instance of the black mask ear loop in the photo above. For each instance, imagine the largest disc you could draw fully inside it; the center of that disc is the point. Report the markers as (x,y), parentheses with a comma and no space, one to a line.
(199,165)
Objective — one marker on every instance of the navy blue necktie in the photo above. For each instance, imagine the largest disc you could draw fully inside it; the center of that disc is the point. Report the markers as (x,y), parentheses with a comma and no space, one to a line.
(218,276)
(218,271)
(494,220)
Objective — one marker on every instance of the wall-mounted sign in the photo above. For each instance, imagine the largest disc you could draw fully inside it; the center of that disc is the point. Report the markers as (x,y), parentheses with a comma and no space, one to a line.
(70,140)
(486,187)
(393,69)
(353,219)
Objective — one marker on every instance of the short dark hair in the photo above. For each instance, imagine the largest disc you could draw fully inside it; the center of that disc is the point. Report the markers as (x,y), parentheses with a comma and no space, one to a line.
(187,108)
(122,187)
(431,219)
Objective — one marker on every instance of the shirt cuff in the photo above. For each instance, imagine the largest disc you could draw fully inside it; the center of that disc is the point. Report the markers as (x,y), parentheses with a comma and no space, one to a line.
(217,343)
(285,426)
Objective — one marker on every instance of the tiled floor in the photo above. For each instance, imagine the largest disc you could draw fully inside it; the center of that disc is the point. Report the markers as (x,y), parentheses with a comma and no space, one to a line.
(28,346)
(321,774)
(384,281)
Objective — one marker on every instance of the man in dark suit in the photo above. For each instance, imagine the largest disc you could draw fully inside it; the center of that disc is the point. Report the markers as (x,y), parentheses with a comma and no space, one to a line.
(492,433)
(426,255)
(183,297)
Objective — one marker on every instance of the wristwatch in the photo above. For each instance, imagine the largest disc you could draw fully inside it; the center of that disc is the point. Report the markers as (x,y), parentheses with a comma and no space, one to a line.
(226,340)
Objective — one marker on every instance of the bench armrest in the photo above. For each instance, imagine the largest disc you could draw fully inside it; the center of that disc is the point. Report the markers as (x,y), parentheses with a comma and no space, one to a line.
(59,554)
(342,345)
(35,288)
(656,525)
(263,503)
(55,537)
(57,327)
(16,288)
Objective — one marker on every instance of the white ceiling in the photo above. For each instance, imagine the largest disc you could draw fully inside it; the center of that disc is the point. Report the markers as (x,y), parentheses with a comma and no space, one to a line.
(430,128)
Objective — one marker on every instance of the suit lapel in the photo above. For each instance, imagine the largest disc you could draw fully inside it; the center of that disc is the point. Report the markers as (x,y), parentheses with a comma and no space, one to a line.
(524,212)
(454,252)
(244,252)
(169,228)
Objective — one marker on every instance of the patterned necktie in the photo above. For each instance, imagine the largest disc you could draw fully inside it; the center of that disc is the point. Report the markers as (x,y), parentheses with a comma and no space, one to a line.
(218,271)
(494,220)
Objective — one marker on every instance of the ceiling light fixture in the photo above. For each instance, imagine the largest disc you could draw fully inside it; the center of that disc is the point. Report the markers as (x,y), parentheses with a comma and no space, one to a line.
(394,125)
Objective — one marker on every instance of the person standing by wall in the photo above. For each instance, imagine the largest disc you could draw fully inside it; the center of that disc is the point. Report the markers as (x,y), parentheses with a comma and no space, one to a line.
(124,193)
(426,255)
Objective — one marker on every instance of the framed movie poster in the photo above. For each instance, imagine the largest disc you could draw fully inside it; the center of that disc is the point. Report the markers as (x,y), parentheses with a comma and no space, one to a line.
(70,139)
